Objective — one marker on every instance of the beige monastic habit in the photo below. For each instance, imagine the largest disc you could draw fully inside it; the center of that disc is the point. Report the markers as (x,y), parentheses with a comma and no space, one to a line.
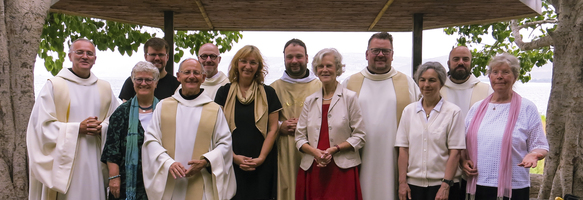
(212,84)
(465,94)
(382,98)
(292,94)
(64,164)
(182,130)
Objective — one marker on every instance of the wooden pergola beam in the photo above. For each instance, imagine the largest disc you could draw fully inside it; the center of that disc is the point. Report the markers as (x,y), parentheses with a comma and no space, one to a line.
(381,13)
(204,14)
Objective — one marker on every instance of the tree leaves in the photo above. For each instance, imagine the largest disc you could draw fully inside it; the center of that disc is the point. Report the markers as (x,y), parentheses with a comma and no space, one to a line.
(61,29)
(503,41)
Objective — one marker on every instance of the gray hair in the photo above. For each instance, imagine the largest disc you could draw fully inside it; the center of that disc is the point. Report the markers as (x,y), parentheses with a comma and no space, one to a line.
(180,65)
(439,69)
(78,40)
(508,59)
(144,66)
(337,60)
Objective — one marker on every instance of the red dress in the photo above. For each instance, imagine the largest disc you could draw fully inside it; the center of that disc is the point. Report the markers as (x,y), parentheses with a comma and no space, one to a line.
(330,182)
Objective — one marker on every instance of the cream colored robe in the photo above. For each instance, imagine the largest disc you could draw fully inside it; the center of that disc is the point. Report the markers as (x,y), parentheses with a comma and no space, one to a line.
(212,84)
(292,94)
(378,102)
(61,159)
(466,94)
(219,184)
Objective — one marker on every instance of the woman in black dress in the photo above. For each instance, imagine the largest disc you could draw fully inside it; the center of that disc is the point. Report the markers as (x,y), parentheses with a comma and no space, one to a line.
(251,109)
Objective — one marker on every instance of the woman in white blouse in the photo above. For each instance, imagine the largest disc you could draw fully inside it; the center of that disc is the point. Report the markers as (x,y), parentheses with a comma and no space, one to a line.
(504,138)
(430,138)
(330,133)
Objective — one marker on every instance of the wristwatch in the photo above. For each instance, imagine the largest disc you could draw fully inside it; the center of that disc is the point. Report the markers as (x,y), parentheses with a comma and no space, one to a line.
(449,182)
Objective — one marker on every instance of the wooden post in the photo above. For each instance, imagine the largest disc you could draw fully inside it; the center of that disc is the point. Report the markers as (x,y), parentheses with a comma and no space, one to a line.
(417,40)
(169,37)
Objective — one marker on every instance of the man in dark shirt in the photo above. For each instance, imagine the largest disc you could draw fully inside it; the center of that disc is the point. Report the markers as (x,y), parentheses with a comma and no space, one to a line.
(156,52)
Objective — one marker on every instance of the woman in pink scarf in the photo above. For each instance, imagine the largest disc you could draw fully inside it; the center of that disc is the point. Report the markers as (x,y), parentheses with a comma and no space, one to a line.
(504,138)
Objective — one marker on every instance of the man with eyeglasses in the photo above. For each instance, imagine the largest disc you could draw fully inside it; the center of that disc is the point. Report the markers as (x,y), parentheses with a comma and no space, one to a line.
(296,83)
(209,56)
(463,88)
(66,129)
(383,92)
(156,52)
(187,148)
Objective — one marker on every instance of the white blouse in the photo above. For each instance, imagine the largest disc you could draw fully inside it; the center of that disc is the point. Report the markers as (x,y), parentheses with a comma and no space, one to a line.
(528,135)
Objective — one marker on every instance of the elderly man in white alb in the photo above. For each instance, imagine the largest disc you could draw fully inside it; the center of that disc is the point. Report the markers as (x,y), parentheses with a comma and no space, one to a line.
(67,130)
(209,57)
(383,92)
(187,148)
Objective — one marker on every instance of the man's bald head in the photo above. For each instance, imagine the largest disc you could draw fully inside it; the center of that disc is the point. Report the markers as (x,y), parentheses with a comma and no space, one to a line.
(209,57)
(459,63)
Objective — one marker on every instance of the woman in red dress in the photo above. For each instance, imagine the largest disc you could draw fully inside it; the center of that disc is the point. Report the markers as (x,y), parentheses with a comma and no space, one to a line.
(329,134)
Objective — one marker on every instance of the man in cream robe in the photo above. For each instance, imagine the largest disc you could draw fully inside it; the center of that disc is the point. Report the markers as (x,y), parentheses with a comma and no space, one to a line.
(463,88)
(292,89)
(210,58)
(188,129)
(383,93)
(66,131)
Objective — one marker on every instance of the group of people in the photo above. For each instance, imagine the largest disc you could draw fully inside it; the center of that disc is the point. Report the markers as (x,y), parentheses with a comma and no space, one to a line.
(204,134)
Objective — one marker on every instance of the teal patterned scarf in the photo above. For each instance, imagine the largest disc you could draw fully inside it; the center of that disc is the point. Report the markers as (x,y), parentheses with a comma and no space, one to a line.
(132,151)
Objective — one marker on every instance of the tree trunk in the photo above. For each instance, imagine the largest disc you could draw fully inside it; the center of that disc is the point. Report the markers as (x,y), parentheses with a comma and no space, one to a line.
(21,24)
(563,172)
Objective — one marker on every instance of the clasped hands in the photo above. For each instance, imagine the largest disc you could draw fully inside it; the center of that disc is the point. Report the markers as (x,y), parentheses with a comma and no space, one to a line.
(248,163)
(323,158)
(178,170)
(90,126)
(288,127)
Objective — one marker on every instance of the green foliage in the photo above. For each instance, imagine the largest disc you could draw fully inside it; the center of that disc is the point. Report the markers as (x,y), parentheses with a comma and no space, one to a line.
(61,29)
(503,41)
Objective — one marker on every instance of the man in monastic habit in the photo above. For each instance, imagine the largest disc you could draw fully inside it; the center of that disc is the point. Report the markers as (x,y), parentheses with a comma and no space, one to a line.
(209,57)
(383,92)
(187,148)
(66,131)
(292,89)
(461,87)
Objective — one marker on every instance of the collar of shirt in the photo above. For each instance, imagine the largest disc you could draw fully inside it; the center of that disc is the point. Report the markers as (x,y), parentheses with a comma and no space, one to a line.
(437,107)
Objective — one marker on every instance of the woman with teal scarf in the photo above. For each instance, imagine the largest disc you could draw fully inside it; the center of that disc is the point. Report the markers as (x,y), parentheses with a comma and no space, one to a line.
(125,136)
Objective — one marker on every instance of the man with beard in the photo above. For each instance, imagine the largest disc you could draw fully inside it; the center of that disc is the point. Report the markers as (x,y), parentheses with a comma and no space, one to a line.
(463,88)
(383,92)
(156,52)
(292,89)
(67,129)
(208,55)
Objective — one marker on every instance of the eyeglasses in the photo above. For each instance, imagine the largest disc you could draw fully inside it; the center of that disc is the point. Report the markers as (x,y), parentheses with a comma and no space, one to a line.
(205,56)
(157,54)
(376,51)
(251,62)
(141,80)
(81,52)
(195,72)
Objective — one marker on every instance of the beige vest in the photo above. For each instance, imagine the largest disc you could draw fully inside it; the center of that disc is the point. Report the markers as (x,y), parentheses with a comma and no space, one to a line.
(402,93)
(204,134)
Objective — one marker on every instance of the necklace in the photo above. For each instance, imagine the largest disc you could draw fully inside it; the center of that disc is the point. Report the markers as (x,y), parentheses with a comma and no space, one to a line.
(327,99)
(427,115)
(146,108)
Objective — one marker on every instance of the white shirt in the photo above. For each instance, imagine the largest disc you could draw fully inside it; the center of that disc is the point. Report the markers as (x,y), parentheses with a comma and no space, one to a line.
(528,135)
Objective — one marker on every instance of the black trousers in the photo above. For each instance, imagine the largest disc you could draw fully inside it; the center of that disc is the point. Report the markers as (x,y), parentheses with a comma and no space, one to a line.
(429,193)
(489,193)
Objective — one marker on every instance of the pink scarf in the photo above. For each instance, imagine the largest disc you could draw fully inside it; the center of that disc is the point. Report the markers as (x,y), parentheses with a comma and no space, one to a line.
(505,168)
